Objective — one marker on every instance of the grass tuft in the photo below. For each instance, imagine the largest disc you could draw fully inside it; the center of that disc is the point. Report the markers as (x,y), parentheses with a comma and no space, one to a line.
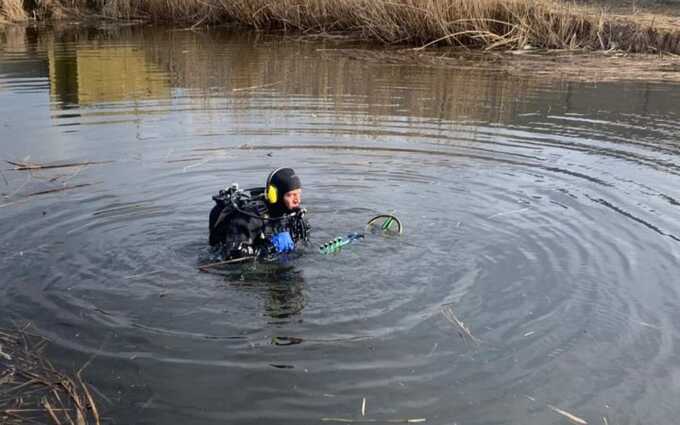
(33,391)
(12,10)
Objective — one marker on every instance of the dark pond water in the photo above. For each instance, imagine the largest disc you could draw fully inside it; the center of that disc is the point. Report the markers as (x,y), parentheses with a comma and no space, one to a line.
(544,214)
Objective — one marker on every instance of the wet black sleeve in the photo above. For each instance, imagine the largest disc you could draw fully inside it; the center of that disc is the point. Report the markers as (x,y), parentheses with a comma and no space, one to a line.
(233,229)
(218,233)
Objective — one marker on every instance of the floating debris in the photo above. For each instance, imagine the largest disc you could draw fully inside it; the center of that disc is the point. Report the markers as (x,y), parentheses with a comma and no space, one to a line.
(286,340)
(572,418)
(369,420)
(172,161)
(648,325)
(207,267)
(58,189)
(262,86)
(364,419)
(447,312)
(24,166)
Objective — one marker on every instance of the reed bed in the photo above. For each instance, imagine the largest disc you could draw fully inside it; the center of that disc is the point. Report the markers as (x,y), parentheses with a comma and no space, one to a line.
(486,24)
(33,391)
(12,10)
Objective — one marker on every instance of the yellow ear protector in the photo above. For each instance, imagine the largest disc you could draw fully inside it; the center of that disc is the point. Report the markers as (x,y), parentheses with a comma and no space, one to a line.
(271,193)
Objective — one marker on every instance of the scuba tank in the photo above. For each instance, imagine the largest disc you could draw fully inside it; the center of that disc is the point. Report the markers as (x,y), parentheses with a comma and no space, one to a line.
(241,224)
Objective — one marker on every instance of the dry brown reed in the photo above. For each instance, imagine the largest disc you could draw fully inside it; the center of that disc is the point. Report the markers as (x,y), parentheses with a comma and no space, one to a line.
(12,10)
(33,391)
(490,24)
(24,166)
(448,313)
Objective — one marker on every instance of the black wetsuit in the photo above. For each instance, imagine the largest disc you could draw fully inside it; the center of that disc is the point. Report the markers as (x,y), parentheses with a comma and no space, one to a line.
(241,224)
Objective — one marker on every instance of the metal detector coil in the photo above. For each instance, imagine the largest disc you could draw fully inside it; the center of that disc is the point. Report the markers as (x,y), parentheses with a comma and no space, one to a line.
(386,223)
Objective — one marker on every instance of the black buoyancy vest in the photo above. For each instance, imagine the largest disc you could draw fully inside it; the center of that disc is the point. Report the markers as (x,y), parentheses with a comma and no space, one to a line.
(239,222)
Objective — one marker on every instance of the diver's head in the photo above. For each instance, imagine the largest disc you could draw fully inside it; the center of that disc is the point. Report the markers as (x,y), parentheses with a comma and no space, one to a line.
(283,190)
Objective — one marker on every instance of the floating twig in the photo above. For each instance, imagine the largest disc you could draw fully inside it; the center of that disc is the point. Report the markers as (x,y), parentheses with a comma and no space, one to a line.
(23,166)
(172,161)
(31,410)
(256,87)
(447,312)
(363,407)
(205,267)
(572,418)
(287,340)
(648,325)
(370,420)
(187,167)
(59,189)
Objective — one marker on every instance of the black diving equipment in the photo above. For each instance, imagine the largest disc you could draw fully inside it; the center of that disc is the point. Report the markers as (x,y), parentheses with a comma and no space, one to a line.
(242,223)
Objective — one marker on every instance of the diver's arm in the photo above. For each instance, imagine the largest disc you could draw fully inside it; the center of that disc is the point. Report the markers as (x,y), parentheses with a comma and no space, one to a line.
(217,230)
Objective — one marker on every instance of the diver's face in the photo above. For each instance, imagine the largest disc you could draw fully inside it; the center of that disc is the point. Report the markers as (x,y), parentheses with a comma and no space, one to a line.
(292,199)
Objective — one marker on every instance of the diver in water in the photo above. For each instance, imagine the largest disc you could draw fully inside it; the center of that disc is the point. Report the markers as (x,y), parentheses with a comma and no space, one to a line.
(259,222)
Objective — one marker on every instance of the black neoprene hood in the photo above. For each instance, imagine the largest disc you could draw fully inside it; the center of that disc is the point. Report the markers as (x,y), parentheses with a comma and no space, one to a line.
(285,180)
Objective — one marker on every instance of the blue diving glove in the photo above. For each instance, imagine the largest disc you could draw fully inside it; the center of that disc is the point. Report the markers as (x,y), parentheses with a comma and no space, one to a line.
(283,242)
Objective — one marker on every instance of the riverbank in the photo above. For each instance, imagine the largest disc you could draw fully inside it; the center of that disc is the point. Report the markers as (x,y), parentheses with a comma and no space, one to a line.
(488,24)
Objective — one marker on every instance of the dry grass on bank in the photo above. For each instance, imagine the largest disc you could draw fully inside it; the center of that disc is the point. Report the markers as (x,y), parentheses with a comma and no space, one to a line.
(33,391)
(12,10)
(488,24)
